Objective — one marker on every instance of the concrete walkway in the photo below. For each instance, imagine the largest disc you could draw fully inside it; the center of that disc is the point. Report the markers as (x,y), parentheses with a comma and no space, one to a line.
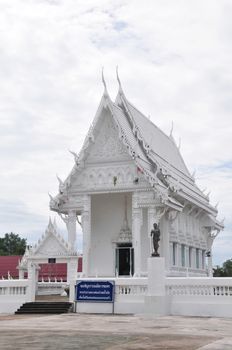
(75,331)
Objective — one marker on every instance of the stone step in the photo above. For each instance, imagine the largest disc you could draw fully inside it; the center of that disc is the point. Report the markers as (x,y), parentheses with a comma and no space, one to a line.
(45,307)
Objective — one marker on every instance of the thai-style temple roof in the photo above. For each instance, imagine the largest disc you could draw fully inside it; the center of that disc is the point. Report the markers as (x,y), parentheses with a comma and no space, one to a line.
(163,151)
(154,152)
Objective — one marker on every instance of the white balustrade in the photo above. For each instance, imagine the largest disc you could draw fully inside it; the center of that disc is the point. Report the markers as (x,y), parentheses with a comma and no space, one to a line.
(199,286)
(13,287)
(13,293)
(49,287)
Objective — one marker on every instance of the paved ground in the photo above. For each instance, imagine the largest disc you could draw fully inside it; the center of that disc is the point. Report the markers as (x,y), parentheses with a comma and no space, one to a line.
(101,332)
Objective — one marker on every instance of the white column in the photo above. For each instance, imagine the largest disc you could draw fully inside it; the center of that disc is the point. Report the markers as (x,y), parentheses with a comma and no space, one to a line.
(136,236)
(170,226)
(31,271)
(70,222)
(210,265)
(165,243)
(210,240)
(21,274)
(71,226)
(86,229)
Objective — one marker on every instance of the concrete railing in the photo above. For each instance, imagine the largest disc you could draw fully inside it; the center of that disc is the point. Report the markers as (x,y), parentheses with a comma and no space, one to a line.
(199,286)
(199,296)
(13,293)
(50,288)
(130,288)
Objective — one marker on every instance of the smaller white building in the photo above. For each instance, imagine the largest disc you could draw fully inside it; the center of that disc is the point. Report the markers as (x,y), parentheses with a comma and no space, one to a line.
(51,248)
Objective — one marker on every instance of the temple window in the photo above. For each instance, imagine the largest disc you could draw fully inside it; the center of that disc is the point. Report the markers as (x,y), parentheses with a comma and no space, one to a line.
(190,256)
(182,255)
(174,249)
(197,258)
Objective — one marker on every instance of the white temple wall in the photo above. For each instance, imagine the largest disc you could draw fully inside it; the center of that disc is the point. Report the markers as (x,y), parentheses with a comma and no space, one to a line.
(190,245)
(106,221)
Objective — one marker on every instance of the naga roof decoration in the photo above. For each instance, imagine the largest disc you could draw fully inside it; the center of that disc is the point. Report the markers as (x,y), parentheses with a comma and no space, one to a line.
(155,153)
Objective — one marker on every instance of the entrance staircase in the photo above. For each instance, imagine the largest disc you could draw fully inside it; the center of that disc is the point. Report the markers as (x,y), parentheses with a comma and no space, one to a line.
(45,308)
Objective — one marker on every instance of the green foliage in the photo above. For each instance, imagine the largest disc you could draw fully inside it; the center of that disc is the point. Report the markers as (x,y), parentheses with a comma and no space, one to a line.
(218,272)
(225,270)
(227,267)
(12,244)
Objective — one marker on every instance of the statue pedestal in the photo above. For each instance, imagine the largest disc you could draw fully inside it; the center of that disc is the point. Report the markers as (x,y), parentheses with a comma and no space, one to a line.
(156,302)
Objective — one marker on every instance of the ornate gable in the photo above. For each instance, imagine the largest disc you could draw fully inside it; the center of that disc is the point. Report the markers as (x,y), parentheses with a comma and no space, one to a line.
(51,244)
(107,145)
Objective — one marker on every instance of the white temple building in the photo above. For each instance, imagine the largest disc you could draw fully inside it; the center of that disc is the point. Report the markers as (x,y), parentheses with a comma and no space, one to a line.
(129,175)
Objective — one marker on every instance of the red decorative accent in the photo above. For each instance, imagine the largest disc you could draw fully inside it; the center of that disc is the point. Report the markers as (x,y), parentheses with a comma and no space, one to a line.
(139,170)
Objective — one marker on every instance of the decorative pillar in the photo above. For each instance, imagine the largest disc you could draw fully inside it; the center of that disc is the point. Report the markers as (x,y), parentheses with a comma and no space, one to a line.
(72,217)
(211,235)
(137,217)
(86,229)
(169,226)
(70,221)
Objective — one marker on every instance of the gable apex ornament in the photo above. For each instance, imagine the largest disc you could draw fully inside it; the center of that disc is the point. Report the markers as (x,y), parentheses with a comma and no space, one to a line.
(104,83)
(119,81)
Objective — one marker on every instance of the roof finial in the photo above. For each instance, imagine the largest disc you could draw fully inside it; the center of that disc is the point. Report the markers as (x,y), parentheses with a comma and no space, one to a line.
(76,157)
(119,82)
(104,82)
(59,179)
(52,198)
(171,129)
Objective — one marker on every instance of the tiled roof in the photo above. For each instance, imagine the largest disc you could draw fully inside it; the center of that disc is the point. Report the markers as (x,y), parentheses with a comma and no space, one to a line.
(59,270)
(9,263)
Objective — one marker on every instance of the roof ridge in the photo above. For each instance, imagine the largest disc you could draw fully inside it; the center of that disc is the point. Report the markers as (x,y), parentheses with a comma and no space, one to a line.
(151,122)
(162,132)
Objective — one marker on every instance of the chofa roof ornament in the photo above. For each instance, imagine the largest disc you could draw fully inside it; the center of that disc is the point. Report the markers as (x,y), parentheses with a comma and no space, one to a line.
(119,82)
(104,83)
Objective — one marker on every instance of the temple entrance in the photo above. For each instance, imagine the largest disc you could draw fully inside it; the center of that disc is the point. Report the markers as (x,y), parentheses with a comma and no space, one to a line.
(124,260)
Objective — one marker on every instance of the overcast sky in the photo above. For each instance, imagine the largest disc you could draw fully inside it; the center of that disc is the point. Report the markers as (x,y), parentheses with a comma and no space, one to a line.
(174,58)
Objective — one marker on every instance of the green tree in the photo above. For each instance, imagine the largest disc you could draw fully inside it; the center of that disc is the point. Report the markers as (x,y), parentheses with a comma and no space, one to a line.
(12,244)
(218,272)
(227,268)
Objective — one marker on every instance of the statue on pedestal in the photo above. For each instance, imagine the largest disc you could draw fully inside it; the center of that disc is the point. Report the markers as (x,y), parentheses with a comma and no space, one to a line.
(155,234)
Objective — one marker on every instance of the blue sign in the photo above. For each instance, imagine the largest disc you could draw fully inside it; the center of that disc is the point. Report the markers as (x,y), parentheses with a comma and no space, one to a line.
(95,291)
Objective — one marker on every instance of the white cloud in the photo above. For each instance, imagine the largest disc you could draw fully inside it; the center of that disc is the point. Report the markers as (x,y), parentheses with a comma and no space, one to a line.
(175,64)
